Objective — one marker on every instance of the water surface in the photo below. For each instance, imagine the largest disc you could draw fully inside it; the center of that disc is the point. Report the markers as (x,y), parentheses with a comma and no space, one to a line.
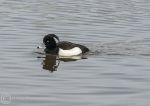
(116,72)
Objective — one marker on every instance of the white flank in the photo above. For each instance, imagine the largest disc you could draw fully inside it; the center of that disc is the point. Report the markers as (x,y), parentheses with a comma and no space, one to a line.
(72,52)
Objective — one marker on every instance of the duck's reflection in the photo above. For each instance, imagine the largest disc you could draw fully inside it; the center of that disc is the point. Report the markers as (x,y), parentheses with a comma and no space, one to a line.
(51,62)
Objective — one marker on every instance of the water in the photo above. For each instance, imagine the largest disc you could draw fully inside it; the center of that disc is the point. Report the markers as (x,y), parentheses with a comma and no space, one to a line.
(115,73)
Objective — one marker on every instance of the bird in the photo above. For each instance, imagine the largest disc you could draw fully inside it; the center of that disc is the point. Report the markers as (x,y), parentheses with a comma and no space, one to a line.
(53,45)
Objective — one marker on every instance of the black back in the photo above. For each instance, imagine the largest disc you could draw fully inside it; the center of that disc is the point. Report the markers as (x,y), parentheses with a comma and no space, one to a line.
(68,45)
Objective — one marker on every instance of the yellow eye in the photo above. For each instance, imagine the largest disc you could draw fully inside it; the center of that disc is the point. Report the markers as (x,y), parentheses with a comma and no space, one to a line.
(47,41)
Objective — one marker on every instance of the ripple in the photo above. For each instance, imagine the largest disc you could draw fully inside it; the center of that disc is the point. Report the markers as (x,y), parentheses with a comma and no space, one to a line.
(117,68)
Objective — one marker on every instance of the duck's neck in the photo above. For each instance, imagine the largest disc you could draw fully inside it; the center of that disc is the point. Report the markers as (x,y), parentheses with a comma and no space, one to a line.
(52,50)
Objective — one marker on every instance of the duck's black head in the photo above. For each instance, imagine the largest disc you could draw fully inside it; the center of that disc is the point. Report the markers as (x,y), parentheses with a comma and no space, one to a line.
(50,42)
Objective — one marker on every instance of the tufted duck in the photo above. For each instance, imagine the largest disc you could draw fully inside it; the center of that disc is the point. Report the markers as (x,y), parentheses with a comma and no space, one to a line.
(62,48)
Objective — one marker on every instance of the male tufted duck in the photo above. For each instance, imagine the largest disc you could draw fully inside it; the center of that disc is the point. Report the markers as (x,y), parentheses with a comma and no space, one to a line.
(62,48)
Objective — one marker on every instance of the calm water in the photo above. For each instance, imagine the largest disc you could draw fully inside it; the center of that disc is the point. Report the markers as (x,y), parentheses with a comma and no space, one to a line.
(116,72)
